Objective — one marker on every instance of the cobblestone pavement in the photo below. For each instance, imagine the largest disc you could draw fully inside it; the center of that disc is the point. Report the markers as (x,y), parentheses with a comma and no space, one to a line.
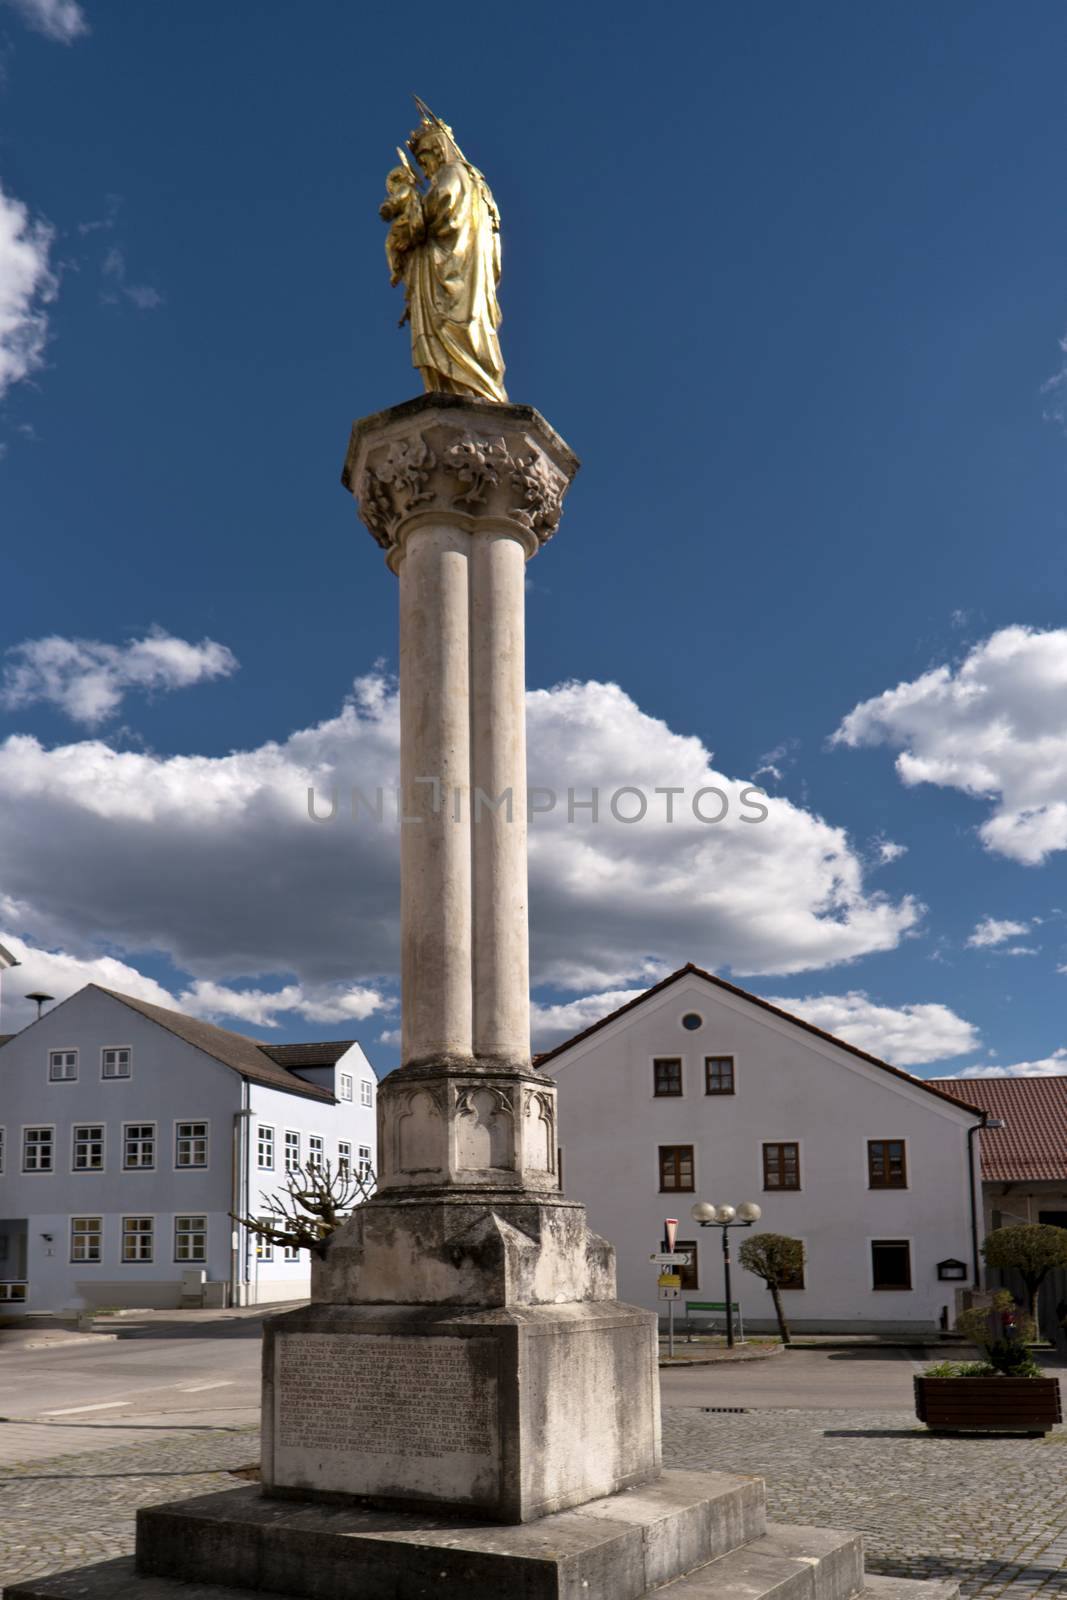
(989,1512)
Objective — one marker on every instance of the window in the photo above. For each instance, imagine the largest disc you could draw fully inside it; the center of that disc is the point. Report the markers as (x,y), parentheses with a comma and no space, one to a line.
(344,1158)
(886,1164)
(265,1247)
(37,1144)
(364,1161)
(796,1281)
(718,1074)
(315,1150)
(266,1148)
(676,1168)
(190,1238)
(139,1146)
(689,1275)
(366,1092)
(137,1238)
(89,1149)
(291,1252)
(890,1264)
(190,1144)
(62,1065)
(781,1166)
(292,1151)
(85,1237)
(692,1021)
(346,1086)
(666,1077)
(116,1063)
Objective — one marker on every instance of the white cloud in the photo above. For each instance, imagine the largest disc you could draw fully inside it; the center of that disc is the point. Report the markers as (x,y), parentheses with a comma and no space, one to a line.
(887,851)
(1055,388)
(903,1035)
(27,285)
(989,932)
(551,1023)
(88,680)
(62,20)
(263,1008)
(1052,1066)
(60,974)
(994,727)
(214,862)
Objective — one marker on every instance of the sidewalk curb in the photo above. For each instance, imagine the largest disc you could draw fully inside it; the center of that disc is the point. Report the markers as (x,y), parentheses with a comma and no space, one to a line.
(724,1359)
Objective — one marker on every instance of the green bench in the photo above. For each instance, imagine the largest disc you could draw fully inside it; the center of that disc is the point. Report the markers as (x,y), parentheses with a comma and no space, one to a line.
(712,1308)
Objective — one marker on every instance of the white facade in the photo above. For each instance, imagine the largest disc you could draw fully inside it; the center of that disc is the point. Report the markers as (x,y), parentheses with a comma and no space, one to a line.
(791,1086)
(126,1148)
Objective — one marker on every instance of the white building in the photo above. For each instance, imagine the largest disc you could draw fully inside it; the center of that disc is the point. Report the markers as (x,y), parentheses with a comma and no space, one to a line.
(698,1090)
(128,1135)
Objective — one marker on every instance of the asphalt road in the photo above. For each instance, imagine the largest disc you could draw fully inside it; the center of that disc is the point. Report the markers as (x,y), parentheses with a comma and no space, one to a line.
(190,1371)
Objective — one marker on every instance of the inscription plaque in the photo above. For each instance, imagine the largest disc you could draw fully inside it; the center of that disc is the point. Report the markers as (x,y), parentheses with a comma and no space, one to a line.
(386,1395)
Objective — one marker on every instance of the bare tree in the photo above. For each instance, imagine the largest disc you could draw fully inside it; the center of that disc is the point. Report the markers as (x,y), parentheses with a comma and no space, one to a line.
(317,1199)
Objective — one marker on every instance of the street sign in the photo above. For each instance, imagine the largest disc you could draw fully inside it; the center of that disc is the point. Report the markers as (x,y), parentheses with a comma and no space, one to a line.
(671,1258)
(669,1294)
(670,1280)
(670,1228)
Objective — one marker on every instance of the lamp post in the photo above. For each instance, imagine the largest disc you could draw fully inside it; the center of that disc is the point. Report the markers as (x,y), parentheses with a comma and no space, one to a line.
(725,1218)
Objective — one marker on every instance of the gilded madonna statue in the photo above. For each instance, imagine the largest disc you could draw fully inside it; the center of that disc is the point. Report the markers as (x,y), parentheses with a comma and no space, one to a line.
(444,246)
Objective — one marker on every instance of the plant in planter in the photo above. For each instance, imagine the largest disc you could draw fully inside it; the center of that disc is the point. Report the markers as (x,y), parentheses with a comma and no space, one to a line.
(1005,1393)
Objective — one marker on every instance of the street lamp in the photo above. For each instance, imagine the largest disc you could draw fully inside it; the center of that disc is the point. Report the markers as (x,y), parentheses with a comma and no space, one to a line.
(726,1217)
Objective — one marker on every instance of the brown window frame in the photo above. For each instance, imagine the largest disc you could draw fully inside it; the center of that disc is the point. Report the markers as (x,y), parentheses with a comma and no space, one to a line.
(887,1181)
(892,1288)
(709,1061)
(668,1154)
(659,1093)
(781,1188)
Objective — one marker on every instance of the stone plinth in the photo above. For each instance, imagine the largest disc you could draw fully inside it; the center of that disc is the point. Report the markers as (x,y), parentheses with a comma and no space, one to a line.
(510,1414)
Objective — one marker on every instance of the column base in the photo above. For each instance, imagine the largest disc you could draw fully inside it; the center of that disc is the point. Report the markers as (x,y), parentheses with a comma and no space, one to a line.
(509,1414)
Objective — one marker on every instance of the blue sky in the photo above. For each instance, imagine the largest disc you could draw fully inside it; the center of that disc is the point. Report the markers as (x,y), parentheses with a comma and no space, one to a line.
(791,280)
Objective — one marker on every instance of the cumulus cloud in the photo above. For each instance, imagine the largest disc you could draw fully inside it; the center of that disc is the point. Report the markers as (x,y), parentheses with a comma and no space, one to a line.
(61,20)
(60,974)
(989,933)
(27,286)
(214,861)
(88,680)
(994,727)
(903,1035)
(1053,1066)
(264,1008)
(549,1024)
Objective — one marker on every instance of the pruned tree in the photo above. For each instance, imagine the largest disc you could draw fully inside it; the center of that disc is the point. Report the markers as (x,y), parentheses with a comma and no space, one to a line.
(1034,1249)
(779,1261)
(1002,1332)
(316,1200)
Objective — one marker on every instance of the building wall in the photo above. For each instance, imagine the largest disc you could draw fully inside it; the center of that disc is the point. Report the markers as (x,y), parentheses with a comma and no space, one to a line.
(790,1086)
(270,1276)
(170,1082)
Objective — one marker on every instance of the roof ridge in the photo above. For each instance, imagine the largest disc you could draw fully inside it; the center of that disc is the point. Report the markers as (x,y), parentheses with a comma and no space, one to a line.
(690,968)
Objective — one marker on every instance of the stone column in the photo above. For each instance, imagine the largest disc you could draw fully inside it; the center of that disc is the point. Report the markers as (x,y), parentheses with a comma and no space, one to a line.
(466,1312)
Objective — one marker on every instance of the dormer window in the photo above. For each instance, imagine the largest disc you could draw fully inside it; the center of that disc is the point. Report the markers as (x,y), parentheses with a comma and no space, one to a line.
(345,1092)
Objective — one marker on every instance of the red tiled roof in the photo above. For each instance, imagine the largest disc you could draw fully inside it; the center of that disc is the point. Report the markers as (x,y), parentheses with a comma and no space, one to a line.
(1033,1142)
(689,970)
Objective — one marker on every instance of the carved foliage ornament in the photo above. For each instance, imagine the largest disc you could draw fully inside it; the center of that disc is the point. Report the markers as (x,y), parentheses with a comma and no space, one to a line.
(472,473)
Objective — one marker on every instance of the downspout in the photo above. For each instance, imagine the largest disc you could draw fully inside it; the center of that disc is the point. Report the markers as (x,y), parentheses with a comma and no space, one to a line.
(239,1196)
(975,1261)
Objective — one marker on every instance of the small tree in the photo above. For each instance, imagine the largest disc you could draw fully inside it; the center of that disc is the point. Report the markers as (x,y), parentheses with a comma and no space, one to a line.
(1001,1332)
(317,1199)
(1034,1249)
(779,1261)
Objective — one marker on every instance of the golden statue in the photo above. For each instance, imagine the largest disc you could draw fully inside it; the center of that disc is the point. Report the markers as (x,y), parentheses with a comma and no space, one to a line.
(444,246)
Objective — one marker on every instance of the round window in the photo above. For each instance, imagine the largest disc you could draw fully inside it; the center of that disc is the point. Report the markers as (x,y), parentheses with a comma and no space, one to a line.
(692,1021)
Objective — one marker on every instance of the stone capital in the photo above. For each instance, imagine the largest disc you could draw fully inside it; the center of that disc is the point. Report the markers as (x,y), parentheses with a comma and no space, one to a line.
(470,464)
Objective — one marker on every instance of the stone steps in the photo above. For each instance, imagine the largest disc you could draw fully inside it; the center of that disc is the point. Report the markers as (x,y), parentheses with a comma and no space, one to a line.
(787,1563)
(710,1527)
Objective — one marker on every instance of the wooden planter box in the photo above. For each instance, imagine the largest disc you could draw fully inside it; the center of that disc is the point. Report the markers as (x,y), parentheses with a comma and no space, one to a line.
(988,1405)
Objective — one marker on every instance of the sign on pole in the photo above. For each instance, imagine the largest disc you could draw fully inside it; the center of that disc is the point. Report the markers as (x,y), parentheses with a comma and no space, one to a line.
(671,1258)
(670,1230)
(670,1294)
(670,1280)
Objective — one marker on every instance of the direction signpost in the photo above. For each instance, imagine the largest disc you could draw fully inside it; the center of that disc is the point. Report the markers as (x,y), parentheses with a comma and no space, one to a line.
(670,1283)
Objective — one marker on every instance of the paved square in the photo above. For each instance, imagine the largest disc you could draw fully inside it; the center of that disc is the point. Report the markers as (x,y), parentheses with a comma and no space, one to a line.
(990,1512)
